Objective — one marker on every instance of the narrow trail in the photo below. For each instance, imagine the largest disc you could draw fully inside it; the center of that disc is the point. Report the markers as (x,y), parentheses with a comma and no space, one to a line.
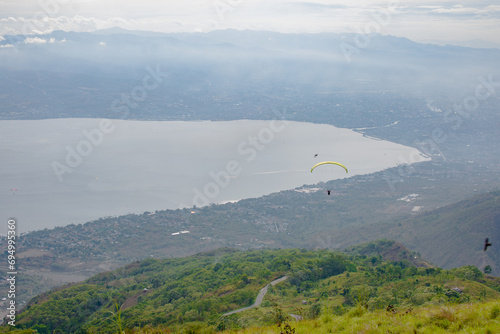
(260,296)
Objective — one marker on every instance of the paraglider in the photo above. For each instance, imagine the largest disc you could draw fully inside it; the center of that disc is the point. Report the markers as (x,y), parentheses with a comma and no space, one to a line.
(329,163)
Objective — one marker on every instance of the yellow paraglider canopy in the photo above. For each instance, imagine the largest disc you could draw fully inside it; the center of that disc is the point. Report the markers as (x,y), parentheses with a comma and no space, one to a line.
(329,162)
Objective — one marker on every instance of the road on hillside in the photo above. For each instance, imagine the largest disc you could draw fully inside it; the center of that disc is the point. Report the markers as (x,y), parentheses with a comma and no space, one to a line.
(260,296)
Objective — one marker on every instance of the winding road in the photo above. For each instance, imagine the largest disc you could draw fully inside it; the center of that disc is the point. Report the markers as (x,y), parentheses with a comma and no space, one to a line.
(259,298)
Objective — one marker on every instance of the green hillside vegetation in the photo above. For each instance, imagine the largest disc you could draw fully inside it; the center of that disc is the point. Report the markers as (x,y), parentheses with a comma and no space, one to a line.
(190,295)
(389,250)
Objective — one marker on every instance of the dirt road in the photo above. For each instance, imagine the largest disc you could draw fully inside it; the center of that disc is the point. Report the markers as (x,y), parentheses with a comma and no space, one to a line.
(260,296)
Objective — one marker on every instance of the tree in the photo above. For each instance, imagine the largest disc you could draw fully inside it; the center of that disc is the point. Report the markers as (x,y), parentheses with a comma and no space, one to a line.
(487,270)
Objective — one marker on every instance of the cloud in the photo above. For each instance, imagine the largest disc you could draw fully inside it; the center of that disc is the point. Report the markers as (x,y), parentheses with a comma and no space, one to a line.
(35,40)
(39,40)
(8,19)
(318,6)
(458,11)
(46,24)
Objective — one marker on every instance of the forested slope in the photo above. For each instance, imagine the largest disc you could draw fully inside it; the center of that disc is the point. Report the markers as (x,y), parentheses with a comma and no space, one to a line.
(196,291)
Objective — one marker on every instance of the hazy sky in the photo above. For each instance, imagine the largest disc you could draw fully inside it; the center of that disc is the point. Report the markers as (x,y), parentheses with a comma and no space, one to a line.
(419,20)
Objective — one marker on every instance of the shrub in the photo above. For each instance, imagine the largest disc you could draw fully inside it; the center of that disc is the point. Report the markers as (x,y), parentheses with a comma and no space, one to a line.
(495,312)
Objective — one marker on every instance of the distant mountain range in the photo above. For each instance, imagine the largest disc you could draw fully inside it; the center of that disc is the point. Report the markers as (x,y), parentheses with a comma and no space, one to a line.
(70,74)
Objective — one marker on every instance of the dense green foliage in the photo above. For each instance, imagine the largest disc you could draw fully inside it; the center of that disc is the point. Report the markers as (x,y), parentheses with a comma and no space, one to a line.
(194,292)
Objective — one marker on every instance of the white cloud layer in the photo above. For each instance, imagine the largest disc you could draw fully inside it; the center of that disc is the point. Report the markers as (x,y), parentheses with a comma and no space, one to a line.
(35,40)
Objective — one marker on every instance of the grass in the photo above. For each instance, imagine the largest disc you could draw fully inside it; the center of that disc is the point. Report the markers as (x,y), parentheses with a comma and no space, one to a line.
(459,318)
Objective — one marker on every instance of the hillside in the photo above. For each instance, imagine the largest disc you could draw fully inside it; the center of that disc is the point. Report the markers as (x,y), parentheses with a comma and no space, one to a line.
(388,250)
(450,236)
(193,293)
(460,230)
(463,318)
